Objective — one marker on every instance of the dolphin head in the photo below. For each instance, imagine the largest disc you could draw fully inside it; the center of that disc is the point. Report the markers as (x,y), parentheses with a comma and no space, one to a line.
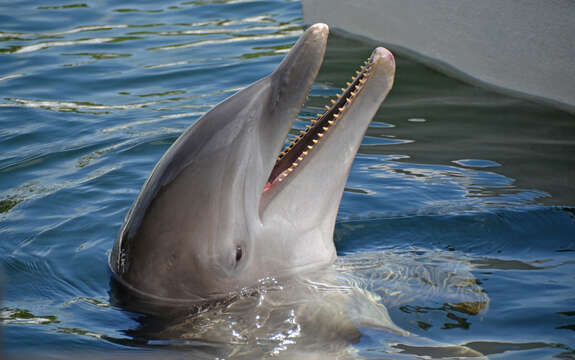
(222,211)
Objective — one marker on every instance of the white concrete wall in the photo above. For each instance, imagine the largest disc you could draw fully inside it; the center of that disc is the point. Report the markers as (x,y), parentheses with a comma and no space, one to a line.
(527,46)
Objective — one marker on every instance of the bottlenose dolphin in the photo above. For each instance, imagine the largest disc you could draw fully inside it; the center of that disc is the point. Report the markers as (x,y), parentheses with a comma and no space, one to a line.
(226,221)
(222,210)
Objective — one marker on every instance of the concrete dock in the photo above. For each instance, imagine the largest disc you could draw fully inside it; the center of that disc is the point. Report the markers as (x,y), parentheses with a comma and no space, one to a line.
(522,47)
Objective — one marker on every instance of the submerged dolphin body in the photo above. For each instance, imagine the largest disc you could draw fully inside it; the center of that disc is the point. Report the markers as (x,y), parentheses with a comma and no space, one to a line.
(221,211)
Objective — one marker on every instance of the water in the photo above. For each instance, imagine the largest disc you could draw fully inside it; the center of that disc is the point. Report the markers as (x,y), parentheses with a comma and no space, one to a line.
(450,177)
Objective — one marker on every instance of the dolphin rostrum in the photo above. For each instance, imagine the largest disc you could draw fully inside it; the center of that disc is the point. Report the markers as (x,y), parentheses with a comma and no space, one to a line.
(221,210)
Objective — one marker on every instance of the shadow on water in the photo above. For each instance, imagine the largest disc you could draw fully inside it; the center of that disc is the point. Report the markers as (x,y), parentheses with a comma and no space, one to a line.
(458,214)
(435,119)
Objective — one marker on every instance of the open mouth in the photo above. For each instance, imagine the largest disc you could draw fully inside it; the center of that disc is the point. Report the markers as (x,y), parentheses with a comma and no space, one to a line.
(295,153)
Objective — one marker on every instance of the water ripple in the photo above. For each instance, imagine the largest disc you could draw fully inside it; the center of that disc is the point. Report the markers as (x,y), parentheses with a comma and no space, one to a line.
(67,106)
(93,93)
(48,34)
(228,40)
(49,44)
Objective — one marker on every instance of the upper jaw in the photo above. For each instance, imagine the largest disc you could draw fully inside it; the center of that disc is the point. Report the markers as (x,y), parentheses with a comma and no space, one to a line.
(288,88)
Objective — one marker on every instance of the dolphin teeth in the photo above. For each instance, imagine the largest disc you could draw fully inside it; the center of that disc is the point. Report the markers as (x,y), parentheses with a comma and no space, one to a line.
(353,88)
(280,179)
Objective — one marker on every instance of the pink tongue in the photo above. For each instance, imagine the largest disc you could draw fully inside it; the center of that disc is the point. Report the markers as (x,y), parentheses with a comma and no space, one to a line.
(267,187)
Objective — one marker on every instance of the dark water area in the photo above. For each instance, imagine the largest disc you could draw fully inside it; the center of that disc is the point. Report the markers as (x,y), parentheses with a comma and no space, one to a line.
(93,93)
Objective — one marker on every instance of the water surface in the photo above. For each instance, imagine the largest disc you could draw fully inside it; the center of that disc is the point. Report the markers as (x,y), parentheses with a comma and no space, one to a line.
(93,93)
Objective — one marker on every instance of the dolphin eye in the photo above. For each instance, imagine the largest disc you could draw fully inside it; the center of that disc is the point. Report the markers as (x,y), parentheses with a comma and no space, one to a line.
(239,254)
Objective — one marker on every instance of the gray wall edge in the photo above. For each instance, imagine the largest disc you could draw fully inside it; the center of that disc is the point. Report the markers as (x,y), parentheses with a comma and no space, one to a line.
(522,48)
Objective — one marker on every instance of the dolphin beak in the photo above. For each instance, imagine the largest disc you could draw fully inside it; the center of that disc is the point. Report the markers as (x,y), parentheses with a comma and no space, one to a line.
(322,154)
(298,207)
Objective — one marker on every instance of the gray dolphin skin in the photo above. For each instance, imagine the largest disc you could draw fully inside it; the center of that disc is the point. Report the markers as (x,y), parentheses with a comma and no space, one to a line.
(222,211)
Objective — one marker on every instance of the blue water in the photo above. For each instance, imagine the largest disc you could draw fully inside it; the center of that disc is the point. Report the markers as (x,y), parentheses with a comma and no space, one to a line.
(93,93)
